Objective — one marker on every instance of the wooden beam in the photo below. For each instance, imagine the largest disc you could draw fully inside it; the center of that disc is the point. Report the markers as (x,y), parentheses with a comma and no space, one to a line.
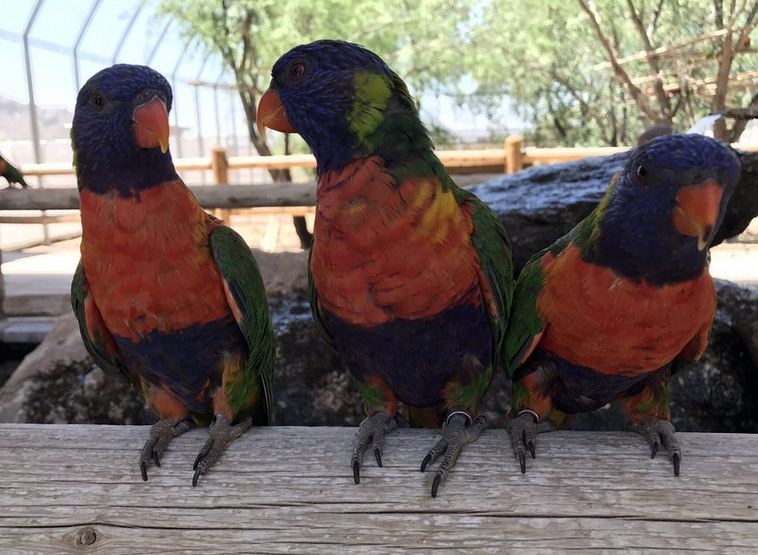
(209,196)
(262,195)
(71,488)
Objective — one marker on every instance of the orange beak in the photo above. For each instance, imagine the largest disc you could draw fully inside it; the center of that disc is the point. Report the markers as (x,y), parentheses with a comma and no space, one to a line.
(151,124)
(697,211)
(271,114)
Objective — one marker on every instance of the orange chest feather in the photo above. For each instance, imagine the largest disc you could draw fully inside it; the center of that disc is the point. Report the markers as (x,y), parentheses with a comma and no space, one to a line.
(147,261)
(599,320)
(384,251)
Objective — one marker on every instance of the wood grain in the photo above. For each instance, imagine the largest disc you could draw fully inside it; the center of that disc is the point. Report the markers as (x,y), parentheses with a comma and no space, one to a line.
(73,489)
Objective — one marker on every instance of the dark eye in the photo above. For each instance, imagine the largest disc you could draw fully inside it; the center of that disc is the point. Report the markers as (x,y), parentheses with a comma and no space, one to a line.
(297,71)
(641,173)
(98,101)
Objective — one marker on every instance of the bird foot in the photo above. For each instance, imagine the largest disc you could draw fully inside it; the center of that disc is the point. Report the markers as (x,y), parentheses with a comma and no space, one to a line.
(457,431)
(220,434)
(373,430)
(660,432)
(161,434)
(523,431)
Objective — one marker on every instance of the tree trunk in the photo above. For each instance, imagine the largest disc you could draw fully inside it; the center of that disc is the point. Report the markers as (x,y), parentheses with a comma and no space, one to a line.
(251,111)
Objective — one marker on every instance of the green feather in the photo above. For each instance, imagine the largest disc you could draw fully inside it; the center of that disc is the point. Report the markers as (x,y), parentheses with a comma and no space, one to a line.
(95,344)
(12,174)
(243,278)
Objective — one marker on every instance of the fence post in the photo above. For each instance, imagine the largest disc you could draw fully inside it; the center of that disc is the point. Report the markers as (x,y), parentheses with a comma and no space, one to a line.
(2,286)
(220,170)
(514,153)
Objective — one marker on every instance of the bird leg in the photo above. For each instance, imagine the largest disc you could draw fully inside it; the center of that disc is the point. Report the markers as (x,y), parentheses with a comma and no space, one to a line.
(220,434)
(648,414)
(161,434)
(523,431)
(457,431)
(373,430)
(659,432)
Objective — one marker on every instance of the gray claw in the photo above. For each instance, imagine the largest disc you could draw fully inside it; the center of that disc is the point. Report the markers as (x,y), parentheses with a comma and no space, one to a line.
(220,433)
(161,434)
(372,430)
(660,432)
(457,432)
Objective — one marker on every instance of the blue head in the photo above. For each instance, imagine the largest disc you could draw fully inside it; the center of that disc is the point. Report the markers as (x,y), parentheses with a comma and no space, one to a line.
(344,101)
(120,130)
(659,217)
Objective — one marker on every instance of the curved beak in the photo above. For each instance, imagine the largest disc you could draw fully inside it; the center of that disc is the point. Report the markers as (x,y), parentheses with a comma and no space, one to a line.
(151,124)
(271,114)
(697,211)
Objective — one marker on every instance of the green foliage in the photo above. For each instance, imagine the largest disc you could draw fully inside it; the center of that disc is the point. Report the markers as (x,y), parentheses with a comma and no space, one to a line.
(543,54)
(546,55)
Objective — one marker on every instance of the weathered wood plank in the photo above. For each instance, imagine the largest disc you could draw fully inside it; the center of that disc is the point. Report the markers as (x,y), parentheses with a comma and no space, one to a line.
(290,489)
(210,196)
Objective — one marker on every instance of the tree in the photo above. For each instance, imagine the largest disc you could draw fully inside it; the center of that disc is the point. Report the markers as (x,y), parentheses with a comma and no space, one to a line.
(600,72)
(251,34)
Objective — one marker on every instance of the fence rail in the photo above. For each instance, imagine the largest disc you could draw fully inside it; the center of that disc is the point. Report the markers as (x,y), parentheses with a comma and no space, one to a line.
(510,159)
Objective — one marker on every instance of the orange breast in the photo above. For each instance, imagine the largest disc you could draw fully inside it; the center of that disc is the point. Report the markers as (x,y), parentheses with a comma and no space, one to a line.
(383,252)
(599,320)
(148,262)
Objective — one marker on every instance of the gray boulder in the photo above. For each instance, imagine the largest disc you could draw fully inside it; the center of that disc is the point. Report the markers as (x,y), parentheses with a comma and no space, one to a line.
(543,203)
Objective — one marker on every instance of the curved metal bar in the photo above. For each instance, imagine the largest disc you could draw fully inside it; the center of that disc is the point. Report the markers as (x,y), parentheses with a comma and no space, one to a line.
(175,108)
(128,30)
(158,43)
(80,37)
(30,82)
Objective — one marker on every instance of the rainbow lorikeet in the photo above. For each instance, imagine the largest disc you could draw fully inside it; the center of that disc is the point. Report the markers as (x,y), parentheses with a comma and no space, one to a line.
(410,276)
(613,308)
(11,173)
(164,293)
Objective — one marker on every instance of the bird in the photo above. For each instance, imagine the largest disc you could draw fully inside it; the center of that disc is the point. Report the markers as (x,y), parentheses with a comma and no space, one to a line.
(616,306)
(164,293)
(410,276)
(11,173)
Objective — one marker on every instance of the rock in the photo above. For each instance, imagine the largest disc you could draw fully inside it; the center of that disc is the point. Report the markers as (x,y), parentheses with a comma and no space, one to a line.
(542,203)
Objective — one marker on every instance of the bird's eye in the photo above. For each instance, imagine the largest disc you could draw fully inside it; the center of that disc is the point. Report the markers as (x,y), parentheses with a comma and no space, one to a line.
(98,102)
(641,173)
(297,71)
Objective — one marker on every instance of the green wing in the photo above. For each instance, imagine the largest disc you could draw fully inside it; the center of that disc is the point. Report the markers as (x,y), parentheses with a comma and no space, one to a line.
(493,247)
(525,324)
(96,337)
(11,173)
(243,279)
(318,318)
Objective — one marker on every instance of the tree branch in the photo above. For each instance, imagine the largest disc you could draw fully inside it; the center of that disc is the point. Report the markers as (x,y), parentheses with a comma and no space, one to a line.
(622,75)
(652,59)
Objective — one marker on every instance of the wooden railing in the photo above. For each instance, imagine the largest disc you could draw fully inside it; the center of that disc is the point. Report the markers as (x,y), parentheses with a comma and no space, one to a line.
(513,157)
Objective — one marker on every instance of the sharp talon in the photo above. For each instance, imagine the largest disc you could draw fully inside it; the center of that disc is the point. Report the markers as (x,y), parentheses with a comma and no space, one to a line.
(677,460)
(357,471)
(156,460)
(426,462)
(522,461)
(143,470)
(378,456)
(532,451)
(436,484)
(654,450)
(195,477)
(201,455)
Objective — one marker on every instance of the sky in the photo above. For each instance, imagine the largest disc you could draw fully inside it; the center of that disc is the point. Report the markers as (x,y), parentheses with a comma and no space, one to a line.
(59,22)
